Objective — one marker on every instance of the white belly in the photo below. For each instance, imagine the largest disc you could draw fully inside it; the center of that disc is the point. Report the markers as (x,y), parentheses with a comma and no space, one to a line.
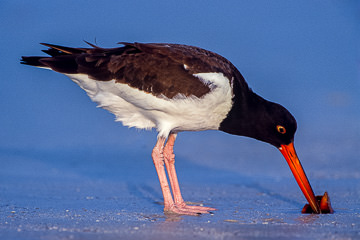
(135,108)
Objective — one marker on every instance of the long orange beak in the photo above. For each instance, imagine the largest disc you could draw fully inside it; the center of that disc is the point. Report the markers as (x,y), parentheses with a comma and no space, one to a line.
(292,159)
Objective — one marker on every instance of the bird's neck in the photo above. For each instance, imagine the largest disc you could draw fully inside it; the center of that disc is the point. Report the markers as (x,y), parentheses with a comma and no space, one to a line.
(243,115)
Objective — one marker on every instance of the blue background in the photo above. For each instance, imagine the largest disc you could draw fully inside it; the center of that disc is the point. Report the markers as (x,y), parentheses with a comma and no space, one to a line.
(302,54)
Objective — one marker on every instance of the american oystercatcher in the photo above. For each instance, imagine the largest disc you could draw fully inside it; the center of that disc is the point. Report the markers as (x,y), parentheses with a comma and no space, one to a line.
(175,88)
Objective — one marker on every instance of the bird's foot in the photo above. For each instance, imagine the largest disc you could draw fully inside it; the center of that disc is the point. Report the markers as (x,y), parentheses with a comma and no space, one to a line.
(184,209)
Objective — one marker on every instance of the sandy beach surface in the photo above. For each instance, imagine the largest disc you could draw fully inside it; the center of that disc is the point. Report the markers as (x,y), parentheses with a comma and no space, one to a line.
(108,194)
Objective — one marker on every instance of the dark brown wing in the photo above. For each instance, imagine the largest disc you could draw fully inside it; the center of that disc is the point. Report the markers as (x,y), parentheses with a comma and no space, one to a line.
(159,69)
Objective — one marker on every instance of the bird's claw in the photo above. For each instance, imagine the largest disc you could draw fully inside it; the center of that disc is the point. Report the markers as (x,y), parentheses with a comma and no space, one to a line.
(184,209)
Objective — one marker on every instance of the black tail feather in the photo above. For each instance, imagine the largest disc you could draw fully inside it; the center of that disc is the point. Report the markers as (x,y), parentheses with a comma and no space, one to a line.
(60,58)
(53,52)
(64,50)
(32,61)
(65,59)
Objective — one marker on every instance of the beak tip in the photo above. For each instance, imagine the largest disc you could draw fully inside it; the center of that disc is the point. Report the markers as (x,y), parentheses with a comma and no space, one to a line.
(323,203)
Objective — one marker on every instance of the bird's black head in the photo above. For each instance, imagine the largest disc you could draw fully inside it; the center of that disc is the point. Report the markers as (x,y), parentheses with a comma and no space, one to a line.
(263,120)
(255,117)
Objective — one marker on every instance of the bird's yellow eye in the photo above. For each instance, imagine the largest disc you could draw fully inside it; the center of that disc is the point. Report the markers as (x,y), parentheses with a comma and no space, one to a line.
(280,129)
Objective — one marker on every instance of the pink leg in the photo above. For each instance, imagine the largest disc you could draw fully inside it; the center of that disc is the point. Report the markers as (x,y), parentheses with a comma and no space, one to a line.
(169,158)
(158,159)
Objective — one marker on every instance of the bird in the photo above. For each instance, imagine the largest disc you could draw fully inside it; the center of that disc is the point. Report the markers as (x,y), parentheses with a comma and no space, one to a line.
(175,88)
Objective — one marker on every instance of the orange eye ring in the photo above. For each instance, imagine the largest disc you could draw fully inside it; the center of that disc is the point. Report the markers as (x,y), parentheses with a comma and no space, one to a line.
(280,129)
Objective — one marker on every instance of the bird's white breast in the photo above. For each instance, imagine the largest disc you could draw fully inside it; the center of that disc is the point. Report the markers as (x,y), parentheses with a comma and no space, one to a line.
(135,108)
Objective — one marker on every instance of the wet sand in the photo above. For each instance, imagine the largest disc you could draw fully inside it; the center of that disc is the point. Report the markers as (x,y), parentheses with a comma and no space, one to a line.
(103,194)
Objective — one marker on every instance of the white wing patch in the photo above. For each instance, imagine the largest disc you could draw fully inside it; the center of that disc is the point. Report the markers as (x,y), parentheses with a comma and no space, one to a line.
(135,108)
(213,79)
